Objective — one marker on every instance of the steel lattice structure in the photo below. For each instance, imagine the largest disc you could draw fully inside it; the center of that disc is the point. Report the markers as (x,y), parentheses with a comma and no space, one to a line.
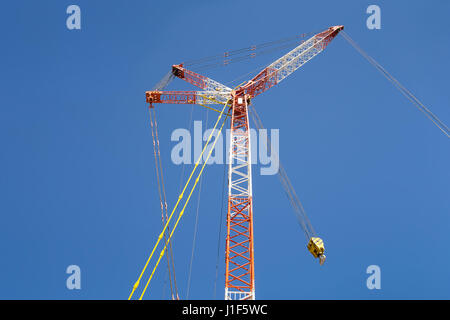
(240,273)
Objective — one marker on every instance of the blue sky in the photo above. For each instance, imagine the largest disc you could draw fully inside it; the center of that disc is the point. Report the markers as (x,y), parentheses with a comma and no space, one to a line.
(78,184)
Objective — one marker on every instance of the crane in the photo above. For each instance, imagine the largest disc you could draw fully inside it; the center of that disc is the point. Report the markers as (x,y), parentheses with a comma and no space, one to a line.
(239,256)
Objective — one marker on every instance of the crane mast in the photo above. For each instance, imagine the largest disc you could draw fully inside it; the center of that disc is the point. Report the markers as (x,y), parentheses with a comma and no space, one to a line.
(239,273)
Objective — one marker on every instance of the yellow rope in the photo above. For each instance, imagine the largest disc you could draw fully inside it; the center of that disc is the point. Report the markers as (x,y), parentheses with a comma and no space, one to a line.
(211,108)
(214,101)
(176,205)
(184,207)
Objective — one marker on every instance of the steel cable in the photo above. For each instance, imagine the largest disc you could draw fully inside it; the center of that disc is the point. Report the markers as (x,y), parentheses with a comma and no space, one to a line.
(136,285)
(195,227)
(286,184)
(162,205)
(170,251)
(220,226)
(255,50)
(185,204)
(419,105)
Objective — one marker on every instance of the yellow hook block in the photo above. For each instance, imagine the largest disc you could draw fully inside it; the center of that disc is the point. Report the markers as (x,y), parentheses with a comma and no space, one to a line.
(317,249)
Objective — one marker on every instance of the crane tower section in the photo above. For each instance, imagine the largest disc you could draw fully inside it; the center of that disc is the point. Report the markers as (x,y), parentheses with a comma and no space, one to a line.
(239,274)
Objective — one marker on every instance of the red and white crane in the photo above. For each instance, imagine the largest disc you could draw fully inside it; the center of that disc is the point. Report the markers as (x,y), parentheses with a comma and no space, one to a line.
(240,274)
